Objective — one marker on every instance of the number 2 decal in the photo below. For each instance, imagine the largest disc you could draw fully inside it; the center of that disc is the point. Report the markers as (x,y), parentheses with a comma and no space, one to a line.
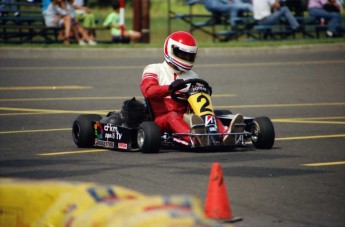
(205,105)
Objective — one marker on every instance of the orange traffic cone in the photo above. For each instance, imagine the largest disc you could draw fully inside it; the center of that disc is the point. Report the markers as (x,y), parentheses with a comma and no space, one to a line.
(217,204)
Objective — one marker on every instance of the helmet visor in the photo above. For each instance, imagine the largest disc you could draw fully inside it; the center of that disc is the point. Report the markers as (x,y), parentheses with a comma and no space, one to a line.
(190,57)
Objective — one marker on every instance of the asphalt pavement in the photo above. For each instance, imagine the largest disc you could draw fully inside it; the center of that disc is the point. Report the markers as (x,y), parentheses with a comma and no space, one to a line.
(300,182)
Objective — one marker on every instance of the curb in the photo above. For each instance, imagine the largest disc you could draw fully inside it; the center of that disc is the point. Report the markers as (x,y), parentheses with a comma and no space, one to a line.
(80,53)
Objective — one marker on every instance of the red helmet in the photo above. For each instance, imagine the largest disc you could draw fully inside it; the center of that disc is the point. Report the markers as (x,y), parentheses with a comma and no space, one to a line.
(180,49)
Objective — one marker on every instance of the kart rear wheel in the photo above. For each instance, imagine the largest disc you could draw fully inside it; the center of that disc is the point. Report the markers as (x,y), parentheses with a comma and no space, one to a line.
(149,137)
(83,131)
(263,134)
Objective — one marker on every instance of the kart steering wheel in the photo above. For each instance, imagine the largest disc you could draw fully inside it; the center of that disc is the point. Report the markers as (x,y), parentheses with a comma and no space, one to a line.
(179,96)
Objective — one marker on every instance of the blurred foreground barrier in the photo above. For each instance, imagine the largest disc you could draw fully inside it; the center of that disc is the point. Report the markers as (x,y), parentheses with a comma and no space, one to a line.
(57,203)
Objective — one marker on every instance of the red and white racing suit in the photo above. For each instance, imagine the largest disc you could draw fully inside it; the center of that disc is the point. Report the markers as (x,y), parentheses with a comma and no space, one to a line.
(168,113)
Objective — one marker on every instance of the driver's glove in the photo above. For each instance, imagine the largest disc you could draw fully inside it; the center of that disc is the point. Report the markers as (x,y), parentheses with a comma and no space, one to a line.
(177,85)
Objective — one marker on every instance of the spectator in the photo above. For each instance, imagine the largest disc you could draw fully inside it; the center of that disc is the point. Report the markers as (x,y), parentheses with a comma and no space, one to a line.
(295,6)
(60,13)
(233,8)
(318,9)
(268,12)
(180,49)
(333,6)
(85,17)
(45,4)
(12,6)
(113,22)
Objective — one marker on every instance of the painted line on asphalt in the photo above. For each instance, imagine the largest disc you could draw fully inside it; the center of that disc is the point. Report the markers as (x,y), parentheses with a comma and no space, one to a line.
(36,130)
(62,99)
(74,152)
(223,65)
(256,64)
(101,150)
(26,88)
(89,98)
(313,120)
(101,112)
(324,164)
(59,68)
(49,111)
(311,137)
(277,139)
(284,105)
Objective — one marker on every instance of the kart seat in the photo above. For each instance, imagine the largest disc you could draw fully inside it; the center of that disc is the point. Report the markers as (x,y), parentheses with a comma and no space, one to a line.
(149,112)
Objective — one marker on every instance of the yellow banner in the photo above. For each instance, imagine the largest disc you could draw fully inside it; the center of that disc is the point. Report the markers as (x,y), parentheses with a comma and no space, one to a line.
(34,203)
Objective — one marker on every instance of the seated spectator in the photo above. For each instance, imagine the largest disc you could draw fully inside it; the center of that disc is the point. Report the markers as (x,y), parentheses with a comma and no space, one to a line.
(333,6)
(268,12)
(295,6)
(326,11)
(85,17)
(45,4)
(61,13)
(233,8)
(113,22)
(12,6)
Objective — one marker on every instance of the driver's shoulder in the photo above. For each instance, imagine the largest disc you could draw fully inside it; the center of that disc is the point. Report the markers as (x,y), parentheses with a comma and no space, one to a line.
(155,67)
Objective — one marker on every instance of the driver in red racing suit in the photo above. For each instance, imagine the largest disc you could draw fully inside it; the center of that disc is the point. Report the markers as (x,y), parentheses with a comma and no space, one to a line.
(158,80)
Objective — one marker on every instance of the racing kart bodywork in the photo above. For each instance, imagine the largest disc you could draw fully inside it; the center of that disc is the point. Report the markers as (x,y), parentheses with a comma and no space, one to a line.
(133,128)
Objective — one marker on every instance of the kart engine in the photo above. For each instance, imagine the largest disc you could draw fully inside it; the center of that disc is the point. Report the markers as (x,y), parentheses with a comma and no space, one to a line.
(133,112)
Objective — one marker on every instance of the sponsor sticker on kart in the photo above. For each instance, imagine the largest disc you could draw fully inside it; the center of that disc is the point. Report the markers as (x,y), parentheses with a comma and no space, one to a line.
(122,146)
(107,131)
(106,144)
(210,120)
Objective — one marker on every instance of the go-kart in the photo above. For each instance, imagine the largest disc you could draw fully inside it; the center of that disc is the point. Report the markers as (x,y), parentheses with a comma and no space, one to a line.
(133,128)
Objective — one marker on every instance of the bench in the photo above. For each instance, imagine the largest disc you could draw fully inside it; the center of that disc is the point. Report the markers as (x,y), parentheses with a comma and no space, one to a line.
(275,31)
(310,28)
(205,23)
(27,27)
(245,26)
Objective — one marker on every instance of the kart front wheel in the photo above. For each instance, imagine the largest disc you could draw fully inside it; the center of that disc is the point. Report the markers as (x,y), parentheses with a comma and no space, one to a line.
(149,137)
(83,131)
(263,134)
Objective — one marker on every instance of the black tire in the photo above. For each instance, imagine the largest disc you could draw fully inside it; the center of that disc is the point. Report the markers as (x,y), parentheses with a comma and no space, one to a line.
(149,137)
(83,131)
(263,134)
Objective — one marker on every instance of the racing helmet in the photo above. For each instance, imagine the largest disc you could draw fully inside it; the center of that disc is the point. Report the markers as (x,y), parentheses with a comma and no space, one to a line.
(180,49)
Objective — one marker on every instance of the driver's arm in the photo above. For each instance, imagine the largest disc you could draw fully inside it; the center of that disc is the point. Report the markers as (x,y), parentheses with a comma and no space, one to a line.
(151,89)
